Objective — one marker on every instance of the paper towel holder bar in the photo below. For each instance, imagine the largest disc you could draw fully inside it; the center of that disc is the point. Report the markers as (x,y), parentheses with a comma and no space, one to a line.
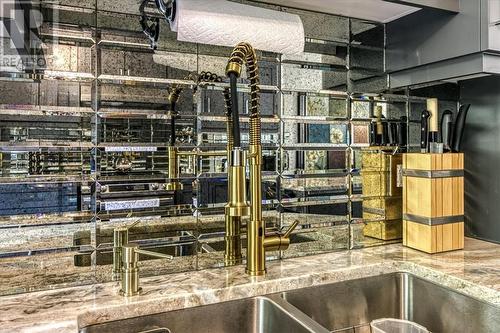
(167,9)
(152,31)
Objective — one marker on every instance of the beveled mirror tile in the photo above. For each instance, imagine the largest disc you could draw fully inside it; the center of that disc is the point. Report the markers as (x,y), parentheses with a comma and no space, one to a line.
(361,109)
(392,110)
(323,26)
(294,189)
(142,194)
(112,20)
(367,33)
(66,58)
(318,240)
(42,239)
(79,15)
(212,102)
(126,6)
(60,93)
(144,64)
(356,184)
(18,92)
(313,161)
(18,167)
(212,132)
(32,273)
(360,134)
(414,134)
(120,98)
(314,133)
(368,82)
(90,4)
(322,228)
(268,69)
(296,77)
(356,156)
(338,58)
(366,234)
(147,131)
(416,108)
(136,163)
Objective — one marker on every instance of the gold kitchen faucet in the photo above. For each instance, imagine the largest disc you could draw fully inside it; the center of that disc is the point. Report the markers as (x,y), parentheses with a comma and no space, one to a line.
(258,242)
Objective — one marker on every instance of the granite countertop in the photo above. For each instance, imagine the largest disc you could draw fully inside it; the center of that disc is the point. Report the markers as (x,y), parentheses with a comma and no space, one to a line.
(474,271)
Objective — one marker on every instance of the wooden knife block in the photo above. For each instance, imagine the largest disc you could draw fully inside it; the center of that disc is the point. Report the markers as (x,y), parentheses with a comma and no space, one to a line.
(433,202)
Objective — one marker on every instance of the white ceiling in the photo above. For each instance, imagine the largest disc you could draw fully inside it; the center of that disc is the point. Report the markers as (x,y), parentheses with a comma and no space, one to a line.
(373,10)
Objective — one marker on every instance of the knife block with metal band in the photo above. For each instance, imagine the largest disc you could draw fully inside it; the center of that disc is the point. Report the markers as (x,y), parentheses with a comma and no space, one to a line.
(433,202)
(382,203)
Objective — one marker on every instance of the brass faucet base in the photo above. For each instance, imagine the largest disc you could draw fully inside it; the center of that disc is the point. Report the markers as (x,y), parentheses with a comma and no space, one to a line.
(256,273)
(232,261)
(122,293)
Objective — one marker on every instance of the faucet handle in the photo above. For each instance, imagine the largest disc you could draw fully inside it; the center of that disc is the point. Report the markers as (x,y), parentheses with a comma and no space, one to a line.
(133,224)
(291,228)
(155,254)
(280,242)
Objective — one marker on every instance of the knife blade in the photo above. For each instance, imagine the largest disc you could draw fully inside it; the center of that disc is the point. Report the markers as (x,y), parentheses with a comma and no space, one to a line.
(393,134)
(458,130)
(424,131)
(373,134)
(446,129)
(385,134)
(402,133)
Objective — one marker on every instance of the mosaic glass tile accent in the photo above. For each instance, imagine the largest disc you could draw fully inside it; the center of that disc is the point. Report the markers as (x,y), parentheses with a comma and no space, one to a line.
(360,109)
(317,106)
(360,134)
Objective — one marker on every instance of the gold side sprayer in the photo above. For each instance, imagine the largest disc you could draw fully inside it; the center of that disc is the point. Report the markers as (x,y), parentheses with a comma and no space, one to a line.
(257,240)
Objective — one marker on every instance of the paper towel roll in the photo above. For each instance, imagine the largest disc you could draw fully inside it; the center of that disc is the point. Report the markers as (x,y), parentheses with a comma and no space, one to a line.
(226,23)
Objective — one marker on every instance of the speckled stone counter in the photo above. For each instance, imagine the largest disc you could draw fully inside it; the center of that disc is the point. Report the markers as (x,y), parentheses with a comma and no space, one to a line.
(474,271)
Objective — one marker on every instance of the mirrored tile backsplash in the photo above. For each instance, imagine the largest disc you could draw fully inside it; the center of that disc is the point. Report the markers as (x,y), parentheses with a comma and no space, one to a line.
(83,144)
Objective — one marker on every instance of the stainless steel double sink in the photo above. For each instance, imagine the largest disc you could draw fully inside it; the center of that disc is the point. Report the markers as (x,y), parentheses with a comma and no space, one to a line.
(346,307)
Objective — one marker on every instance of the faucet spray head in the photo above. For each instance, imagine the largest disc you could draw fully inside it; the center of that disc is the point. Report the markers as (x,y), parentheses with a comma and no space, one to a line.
(237,204)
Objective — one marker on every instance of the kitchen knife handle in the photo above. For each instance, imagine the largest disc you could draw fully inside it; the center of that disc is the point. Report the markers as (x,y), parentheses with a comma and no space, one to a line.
(458,131)
(432,107)
(424,130)
(373,134)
